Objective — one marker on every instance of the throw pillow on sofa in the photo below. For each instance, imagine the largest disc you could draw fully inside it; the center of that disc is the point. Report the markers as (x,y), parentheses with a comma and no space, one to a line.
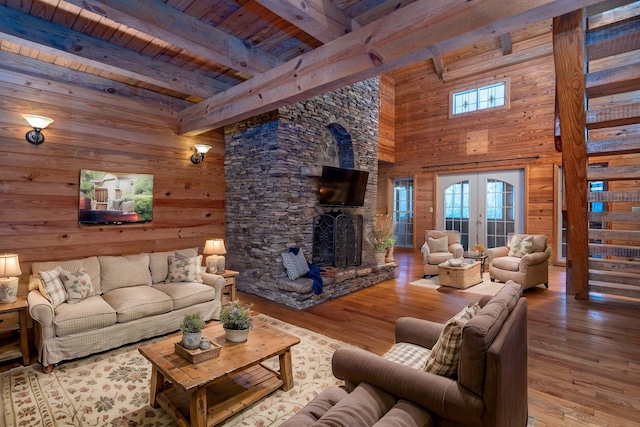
(53,288)
(77,284)
(183,269)
(444,356)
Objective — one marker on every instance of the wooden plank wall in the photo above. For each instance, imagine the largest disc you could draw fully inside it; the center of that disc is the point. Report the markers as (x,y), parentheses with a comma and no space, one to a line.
(39,184)
(429,143)
(386,120)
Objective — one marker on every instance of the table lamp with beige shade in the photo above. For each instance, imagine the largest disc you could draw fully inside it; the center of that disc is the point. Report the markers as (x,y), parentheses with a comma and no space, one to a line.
(216,250)
(9,269)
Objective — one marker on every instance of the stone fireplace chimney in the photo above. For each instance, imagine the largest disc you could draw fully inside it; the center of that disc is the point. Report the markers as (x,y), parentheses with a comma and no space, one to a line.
(273,164)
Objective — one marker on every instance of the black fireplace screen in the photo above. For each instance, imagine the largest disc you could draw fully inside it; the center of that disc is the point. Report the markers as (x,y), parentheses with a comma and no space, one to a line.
(337,240)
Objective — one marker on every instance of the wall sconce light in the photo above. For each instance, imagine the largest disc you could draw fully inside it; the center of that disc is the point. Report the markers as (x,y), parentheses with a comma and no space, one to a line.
(215,261)
(38,123)
(198,156)
(9,267)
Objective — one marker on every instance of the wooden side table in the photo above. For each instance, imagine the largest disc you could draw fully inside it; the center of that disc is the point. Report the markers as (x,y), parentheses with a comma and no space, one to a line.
(230,279)
(13,318)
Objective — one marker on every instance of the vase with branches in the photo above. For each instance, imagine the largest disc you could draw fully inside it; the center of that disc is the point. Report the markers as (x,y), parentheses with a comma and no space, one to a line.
(382,236)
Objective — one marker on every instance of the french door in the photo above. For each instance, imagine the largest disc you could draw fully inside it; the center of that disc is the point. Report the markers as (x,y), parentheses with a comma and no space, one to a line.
(484,207)
(403,211)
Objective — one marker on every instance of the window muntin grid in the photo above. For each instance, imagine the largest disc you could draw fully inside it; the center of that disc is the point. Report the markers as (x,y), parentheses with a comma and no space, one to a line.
(481,98)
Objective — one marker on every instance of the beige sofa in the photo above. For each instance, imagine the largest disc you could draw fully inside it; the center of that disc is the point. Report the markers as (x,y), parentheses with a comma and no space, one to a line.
(133,301)
(488,387)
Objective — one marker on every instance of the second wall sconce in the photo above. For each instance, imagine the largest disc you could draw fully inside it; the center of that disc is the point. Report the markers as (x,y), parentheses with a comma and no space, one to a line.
(201,150)
(38,123)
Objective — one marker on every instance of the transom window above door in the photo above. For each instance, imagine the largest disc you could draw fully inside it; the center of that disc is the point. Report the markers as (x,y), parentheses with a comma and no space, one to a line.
(493,95)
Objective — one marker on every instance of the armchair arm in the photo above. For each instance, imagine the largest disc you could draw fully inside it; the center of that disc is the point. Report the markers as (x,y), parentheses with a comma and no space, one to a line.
(424,250)
(417,331)
(497,252)
(215,281)
(534,258)
(437,394)
(456,249)
(41,311)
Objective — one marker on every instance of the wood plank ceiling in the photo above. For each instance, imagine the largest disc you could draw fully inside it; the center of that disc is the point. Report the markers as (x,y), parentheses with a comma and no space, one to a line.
(220,61)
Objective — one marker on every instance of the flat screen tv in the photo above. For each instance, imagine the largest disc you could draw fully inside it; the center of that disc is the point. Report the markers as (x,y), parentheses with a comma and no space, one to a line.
(342,187)
(115,198)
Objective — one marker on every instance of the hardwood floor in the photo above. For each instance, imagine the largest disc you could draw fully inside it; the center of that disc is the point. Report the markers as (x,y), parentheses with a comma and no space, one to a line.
(584,356)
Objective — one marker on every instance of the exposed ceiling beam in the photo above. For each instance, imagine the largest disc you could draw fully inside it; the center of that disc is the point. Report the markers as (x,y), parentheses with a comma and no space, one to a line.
(318,18)
(416,32)
(438,63)
(35,68)
(505,43)
(381,10)
(29,31)
(180,29)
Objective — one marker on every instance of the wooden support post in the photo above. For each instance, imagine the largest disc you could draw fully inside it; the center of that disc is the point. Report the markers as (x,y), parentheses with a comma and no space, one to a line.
(568,50)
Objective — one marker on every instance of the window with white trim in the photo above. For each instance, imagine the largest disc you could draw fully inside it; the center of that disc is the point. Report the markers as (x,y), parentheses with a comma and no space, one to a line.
(480,98)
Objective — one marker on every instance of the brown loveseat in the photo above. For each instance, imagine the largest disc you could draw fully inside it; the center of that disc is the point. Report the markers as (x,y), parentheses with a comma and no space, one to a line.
(489,388)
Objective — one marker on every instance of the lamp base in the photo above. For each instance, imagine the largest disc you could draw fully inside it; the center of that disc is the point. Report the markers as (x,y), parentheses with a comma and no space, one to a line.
(35,137)
(215,264)
(8,290)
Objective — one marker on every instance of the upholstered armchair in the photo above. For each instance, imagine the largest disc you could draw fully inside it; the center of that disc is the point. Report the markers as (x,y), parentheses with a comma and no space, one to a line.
(524,260)
(438,247)
(486,387)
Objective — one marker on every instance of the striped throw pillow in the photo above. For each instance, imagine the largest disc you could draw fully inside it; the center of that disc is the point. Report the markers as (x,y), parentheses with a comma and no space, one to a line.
(53,289)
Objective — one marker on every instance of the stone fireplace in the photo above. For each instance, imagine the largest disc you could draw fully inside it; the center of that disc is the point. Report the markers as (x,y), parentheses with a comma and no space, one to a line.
(273,164)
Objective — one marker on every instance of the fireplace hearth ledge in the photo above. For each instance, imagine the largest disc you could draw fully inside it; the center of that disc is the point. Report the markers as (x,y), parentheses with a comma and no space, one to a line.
(299,293)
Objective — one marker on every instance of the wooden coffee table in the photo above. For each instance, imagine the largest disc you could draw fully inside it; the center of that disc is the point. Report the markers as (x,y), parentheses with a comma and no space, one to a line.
(209,392)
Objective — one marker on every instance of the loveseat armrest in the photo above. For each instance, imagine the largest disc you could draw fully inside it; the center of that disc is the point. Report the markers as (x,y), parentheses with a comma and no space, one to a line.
(417,331)
(216,281)
(498,252)
(41,311)
(534,258)
(437,394)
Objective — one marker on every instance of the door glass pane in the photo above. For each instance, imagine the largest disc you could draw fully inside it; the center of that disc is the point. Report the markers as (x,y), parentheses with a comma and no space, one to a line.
(501,212)
(403,211)
(456,208)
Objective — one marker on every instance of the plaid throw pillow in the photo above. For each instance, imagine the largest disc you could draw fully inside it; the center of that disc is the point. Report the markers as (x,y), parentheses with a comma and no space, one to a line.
(53,288)
(444,356)
(78,285)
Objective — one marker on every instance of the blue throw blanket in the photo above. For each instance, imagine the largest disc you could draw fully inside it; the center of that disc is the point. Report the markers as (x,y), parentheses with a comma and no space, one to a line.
(314,273)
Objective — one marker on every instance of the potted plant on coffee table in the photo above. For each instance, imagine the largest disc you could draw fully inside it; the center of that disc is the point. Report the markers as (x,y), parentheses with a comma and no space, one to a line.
(191,327)
(236,321)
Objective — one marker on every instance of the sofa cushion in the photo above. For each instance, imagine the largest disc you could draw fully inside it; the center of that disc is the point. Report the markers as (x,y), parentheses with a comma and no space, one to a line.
(52,286)
(444,356)
(408,354)
(159,262)
(87,315)
(90,264)
(124,271)
(77,284)
(406,414)
(315,409)
(186,294)
(479,332)
(137,302)
(436,258)
(508,263)
(440,244)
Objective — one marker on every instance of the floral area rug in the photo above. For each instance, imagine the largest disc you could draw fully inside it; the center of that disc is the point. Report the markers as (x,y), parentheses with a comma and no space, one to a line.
(112,388)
